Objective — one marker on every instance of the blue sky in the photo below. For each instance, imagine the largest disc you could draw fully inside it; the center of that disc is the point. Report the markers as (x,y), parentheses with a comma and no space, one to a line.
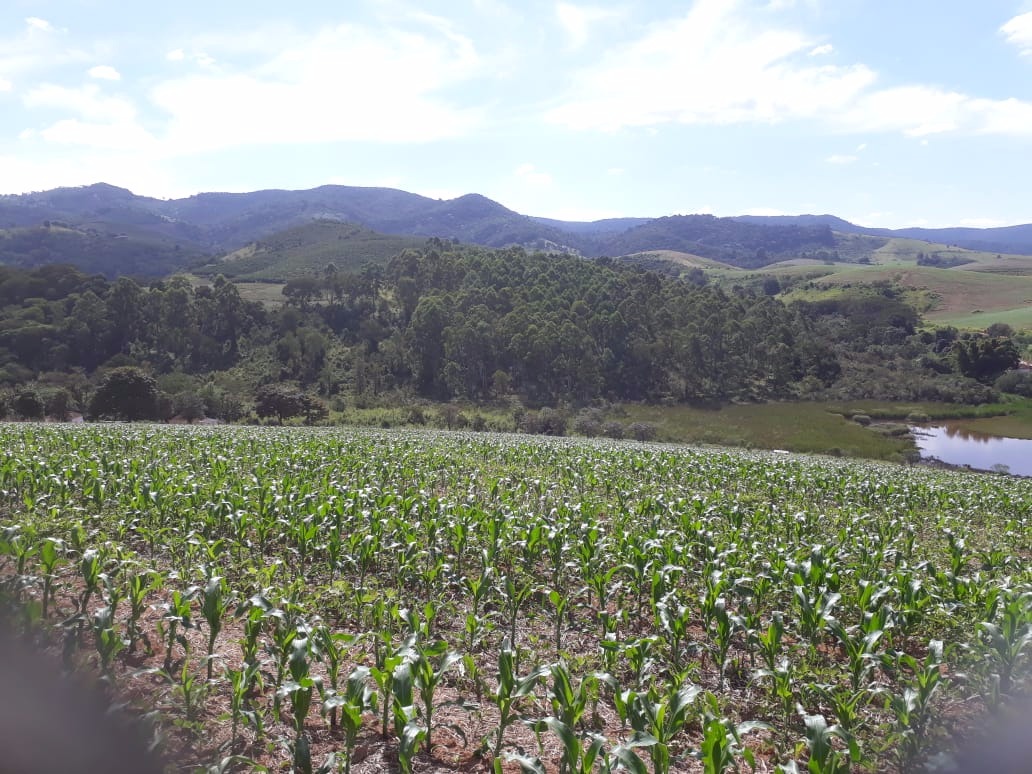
(885,112)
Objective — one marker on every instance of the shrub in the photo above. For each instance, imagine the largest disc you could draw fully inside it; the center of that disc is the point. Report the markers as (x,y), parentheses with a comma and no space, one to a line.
(28,405)
(588,423)
(642,431)
(862,419)
(613,429)
(1015,382)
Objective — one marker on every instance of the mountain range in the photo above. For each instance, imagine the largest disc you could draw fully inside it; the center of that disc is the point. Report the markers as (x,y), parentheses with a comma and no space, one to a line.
(110,230)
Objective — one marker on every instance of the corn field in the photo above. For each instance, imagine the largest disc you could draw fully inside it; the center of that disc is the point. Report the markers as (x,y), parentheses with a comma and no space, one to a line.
(328,600)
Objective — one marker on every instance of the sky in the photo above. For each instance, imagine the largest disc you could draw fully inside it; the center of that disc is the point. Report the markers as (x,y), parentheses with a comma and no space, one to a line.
(885,112)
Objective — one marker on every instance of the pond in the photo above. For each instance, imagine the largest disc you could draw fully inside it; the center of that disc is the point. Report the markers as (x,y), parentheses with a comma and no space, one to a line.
(956,446)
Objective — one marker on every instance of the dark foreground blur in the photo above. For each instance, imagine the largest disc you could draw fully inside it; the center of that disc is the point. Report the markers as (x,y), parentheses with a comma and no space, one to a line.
(50,724)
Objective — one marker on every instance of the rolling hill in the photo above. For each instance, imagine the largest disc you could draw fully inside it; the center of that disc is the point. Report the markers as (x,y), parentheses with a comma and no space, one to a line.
(308,249)
(167,234)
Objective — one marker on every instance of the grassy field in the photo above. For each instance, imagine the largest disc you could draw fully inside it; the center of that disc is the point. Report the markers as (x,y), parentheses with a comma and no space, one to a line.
(799,427)
(417,601)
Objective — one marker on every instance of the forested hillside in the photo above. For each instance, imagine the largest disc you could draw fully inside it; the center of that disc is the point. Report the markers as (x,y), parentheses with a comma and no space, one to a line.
(446,322)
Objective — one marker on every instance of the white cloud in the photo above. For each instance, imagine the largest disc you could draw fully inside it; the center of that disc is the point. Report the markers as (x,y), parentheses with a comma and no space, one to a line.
(176,55)
(841,159)
(5,85)
(36,23)
(765,212)
(37,46)
(345,83)
(528,173)
(861,147)
(105,73)
(100,121)
(719,65)
(615,171)
(52,169)
(87,101)
(1018,32)
(823,50)
(711,66)
(577,20)
(120,136)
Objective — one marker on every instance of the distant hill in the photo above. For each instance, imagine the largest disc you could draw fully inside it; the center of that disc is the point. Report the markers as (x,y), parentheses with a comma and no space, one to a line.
(94,251)
(309,249)
(722,239)
(1016,240)
(102,222)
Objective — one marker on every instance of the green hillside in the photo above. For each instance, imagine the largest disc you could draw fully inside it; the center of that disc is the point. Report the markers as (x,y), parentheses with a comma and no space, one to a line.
(94,250)
(309,249)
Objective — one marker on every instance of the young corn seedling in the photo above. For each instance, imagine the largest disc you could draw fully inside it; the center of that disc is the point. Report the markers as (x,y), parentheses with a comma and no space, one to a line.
(560,603)
(579,754)
(138,585)
(215,602)
(331,648)
(177,617)
(860,649)
(240,682)
(911,709)
(356,699)
(50,556)
(722,740)
(769,641)
(298,689)
(824,757)
(107,639)
(387,658)
(507,694)
(428,664)
(658,718)
(782,684)
(1004,643)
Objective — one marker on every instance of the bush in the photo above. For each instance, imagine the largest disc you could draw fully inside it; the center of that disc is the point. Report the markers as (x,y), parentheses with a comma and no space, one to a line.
(28,405)
(1016,383)
(862,419)
(613,429)
(60,404)
(642,431)
(588,423)
(547,421)
(918,418)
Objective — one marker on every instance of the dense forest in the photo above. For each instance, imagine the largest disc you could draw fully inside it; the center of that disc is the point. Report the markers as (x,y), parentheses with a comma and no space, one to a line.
(447,322)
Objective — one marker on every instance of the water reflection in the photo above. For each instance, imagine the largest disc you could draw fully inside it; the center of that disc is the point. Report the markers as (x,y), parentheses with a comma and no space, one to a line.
(959,446)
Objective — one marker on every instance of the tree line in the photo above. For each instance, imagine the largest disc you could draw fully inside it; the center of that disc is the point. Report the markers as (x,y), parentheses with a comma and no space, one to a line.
(451,322)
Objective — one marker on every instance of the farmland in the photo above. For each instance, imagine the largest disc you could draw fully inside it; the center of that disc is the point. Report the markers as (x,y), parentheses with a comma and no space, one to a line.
(422,601)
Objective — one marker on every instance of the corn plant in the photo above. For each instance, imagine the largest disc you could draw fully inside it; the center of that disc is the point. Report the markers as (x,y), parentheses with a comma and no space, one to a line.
(579,753)
(50,556)
(356,699)
(658,718)
(510,689)
(428,662)
(722,740)
(911,707)
(176,617)
(1005,643)
(215,602)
